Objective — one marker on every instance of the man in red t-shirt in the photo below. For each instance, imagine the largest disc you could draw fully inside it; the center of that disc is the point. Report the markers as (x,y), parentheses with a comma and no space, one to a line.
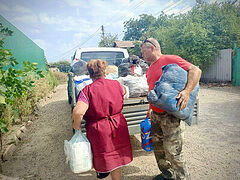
(166,130)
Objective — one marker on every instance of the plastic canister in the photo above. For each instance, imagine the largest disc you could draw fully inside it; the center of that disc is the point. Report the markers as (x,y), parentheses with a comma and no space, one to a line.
(146,134)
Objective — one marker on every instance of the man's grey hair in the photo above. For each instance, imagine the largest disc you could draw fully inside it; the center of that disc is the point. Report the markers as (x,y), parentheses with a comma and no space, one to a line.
(152,42)
(155,42)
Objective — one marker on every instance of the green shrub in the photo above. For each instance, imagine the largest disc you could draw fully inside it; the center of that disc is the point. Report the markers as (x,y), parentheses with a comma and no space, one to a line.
(61,77)
(20,89)
(52,79)
(7,116)
(24,105)
(14,83)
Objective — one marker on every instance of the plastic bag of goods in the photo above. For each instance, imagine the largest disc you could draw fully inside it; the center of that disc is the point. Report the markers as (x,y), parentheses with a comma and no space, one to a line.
(111,76)
(143,79)
(137,85)
(133,59)
(124,69)
(146,134)
(126,95)
(167,88)
(112,69)
(111,72)
(80,82)
(144,66)
(78,153)
(132,66)
(79,68)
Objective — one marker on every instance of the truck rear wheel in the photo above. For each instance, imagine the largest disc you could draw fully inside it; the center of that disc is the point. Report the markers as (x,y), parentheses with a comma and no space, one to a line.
(69,99)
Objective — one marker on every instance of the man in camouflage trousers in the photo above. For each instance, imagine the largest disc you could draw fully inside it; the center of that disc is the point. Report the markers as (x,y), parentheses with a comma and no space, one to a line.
(169,156)
(166,130)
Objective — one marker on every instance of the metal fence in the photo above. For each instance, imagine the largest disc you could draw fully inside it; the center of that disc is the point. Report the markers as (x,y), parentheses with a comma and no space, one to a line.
(221,69)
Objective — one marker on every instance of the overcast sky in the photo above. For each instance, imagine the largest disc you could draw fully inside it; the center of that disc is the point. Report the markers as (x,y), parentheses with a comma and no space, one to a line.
(60,26)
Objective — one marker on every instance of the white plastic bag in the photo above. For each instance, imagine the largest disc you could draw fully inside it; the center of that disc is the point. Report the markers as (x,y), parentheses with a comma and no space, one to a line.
(80,82)
(78,153)
(126,95)
(137,85)
(138,70)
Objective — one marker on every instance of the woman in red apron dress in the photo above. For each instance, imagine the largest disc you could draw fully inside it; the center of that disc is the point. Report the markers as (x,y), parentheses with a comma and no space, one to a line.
(100,104)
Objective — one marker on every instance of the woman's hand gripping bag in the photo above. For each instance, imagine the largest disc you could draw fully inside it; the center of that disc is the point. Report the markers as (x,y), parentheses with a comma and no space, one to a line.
(78,153)
(146,135)
(167,88)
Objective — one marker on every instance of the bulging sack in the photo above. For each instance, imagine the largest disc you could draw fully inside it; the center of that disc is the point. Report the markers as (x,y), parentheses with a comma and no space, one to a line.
(167,88)
(78,153)
(137,85)
(79,68)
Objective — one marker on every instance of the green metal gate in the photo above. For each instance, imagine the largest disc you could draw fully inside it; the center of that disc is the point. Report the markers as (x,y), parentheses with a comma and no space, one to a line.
(236,66)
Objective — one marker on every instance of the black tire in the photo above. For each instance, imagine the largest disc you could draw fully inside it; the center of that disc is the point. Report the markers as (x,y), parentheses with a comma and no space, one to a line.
(69,99)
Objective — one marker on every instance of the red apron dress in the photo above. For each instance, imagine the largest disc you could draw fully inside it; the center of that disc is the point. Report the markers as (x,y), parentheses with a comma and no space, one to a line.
(106,126)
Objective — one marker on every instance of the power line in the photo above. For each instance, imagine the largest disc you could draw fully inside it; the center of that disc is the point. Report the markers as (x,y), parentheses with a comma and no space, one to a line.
(65,54)
(184,10)
(81,44)
(78,45)
(168,8)
(137,5)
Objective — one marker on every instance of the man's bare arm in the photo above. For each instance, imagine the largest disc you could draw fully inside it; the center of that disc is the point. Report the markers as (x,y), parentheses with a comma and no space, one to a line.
(194,74)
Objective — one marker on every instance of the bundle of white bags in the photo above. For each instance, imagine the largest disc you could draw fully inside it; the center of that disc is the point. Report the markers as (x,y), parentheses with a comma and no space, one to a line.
(137,85)
(78,153)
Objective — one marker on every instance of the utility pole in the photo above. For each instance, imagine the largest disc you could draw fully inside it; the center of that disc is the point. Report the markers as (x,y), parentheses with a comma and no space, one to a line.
(104,40)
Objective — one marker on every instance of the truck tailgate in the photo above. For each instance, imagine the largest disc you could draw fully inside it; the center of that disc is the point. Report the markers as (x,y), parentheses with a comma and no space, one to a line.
(135,111)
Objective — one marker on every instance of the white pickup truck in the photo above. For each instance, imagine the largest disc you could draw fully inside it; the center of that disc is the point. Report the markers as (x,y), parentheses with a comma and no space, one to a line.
(134,109)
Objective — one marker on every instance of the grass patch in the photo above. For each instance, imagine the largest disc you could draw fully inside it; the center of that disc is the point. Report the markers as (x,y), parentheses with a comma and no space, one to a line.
(61,77)
(25,105)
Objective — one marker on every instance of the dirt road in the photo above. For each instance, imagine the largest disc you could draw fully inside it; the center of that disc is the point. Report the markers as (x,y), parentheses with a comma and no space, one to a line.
(212,148)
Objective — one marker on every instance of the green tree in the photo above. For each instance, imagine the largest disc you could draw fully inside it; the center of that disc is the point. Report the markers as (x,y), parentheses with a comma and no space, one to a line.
(109,40)
(187,39)
(135,28)
(222,21)
(136,50)
(197,35)
(63,65)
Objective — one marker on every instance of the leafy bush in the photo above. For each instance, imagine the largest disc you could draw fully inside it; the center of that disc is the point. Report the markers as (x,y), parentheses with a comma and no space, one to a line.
(196,36)
(14,83)
(63,66)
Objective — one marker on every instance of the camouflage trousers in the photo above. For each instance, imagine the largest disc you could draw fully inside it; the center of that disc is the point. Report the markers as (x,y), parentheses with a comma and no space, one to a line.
(167,137)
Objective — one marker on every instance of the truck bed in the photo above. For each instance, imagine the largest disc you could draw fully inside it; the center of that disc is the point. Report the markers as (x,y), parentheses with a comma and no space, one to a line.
(134,109)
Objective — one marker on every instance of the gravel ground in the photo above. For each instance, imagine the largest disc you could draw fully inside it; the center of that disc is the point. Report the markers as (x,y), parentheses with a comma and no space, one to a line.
(212,147)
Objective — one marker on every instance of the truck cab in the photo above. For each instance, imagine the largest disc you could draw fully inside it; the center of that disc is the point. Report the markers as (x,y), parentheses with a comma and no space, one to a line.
(113,56)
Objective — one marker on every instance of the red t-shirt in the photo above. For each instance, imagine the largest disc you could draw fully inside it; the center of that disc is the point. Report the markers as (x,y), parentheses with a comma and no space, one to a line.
(154,72)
